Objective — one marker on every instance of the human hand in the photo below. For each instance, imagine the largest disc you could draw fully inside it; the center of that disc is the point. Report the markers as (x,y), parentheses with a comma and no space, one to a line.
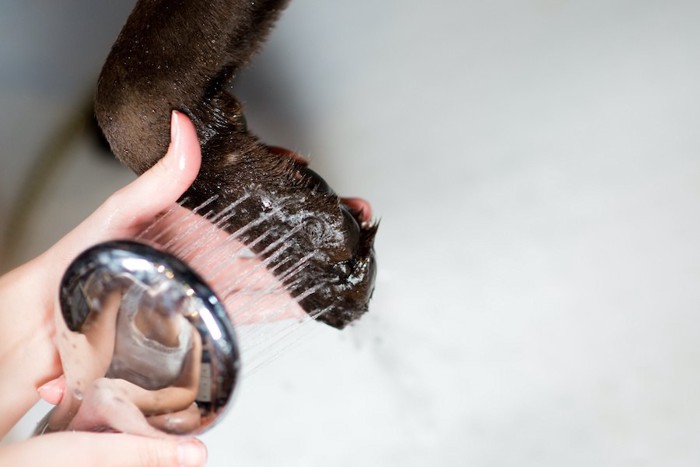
(78,449)
(28,355)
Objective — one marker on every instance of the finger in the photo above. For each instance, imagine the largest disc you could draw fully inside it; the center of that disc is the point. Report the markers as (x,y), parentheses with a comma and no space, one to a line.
(103,407)
(131,208)
(80,449)
(159,187)
(182,422)
(52,392)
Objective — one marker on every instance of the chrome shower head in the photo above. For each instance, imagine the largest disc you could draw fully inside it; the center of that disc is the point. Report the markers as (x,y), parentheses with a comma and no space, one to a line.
(144,342)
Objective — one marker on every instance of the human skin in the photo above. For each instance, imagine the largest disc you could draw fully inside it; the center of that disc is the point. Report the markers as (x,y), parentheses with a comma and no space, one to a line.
(115,402)
(28,304)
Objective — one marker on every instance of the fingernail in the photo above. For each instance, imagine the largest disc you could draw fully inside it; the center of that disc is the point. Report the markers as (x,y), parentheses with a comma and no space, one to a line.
(52,392)
(191,453)
(175,139)
(49,392)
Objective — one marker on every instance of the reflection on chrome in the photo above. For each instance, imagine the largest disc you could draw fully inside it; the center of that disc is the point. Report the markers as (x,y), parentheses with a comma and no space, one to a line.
(145,344)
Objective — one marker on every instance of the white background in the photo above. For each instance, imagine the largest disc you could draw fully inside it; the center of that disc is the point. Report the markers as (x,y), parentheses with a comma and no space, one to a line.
(536,166)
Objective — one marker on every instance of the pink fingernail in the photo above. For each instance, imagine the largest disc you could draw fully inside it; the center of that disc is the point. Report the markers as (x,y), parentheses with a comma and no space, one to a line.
(52,392)
(175,139)
(191,453)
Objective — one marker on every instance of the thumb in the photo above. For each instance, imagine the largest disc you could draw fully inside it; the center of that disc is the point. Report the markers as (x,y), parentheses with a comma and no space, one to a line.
(160,186)
(130,209)
(82,449)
